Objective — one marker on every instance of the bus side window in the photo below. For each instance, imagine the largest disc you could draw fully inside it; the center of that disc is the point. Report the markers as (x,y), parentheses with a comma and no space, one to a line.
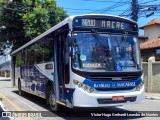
(39,51)
(48,49)
(25,56)
(67,45)
(31,54)
(19,59)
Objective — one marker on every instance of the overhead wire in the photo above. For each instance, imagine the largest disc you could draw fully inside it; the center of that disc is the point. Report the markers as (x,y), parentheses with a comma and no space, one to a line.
(150,7)
(104,1)
(126,11)
(116,5)
(151,1)
(79,9)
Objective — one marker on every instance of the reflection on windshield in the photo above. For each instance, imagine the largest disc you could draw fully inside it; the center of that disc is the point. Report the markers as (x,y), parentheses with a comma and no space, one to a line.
(106,52)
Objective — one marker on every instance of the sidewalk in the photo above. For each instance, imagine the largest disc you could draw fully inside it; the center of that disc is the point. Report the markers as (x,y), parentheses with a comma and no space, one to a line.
(152,96)
(3,78)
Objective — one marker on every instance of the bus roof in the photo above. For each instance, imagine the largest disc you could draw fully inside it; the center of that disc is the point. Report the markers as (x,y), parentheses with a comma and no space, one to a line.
(68,20)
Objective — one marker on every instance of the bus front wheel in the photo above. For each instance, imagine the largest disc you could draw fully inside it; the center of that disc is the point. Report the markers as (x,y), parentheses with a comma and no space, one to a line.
(52,100)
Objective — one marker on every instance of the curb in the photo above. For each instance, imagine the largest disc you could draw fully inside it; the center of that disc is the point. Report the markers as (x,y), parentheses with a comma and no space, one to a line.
(1,106)
(152,98)
(4,110)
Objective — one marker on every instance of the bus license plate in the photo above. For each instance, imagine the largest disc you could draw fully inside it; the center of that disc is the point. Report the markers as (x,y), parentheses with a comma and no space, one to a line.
(117,98)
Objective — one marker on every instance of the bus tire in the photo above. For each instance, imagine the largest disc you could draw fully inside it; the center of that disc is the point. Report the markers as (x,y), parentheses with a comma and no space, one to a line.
(20,92)
(52,101)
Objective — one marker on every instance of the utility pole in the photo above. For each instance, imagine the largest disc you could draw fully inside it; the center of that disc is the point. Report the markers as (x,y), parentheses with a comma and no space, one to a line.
(135,7)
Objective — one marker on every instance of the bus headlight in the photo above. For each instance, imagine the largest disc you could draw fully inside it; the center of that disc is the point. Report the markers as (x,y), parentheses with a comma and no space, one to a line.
(80,85)
(138,88)
(91,90)
(83,86)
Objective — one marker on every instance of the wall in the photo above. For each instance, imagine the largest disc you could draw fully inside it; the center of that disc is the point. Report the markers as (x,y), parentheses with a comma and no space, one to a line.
(156,77)
(152,76)
(146,53)
(152,32)
(145,70)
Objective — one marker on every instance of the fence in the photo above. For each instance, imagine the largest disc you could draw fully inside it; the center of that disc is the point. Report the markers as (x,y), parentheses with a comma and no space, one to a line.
(152,75)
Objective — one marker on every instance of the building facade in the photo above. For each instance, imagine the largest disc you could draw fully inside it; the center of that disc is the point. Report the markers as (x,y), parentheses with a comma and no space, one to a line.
(150,41)
(5,64)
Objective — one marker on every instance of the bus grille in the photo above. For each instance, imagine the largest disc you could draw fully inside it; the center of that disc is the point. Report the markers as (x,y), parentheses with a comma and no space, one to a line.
(113,78)
(115,89)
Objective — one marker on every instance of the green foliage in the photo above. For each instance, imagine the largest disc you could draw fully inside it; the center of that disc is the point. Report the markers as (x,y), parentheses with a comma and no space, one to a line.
(10,17)
(39,50)
(26,19)
(37,22)
(41,16)
(60,14)
(19,60)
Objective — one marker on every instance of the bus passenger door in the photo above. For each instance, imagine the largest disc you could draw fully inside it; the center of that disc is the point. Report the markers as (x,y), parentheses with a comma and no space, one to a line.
(61,67)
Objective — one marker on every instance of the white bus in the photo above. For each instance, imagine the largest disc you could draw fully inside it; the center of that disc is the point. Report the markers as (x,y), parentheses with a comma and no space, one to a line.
(84,61)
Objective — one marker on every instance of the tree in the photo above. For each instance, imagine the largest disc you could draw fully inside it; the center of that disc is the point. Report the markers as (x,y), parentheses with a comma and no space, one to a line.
(10,17)
(42,16)
(26,19)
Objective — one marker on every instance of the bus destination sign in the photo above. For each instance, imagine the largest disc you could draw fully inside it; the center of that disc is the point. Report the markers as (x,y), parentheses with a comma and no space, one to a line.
(98,23)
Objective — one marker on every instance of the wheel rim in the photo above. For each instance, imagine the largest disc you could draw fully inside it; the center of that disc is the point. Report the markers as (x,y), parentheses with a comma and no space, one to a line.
(52,100)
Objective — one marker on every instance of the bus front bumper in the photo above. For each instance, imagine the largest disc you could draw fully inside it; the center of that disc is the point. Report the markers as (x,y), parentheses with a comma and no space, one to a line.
(83,98)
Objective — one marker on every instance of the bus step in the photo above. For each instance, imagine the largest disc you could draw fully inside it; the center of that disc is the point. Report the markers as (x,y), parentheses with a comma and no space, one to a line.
(61,103)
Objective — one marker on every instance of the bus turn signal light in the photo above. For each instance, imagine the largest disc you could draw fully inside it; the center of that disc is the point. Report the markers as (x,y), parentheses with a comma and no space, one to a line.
(75,82)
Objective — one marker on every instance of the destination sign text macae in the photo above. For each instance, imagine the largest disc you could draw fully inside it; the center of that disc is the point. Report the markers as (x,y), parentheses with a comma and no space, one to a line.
(103,23)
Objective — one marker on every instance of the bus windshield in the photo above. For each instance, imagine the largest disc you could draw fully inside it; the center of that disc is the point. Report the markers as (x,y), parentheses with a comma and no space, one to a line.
(103,52)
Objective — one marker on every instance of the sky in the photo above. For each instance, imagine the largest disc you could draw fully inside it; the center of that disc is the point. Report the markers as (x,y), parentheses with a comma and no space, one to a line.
(112,7)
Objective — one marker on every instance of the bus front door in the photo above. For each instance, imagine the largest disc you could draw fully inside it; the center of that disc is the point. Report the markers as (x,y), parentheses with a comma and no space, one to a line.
(60,67)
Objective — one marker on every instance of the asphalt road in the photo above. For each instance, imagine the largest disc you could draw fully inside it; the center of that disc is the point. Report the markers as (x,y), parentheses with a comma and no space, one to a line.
(13,102)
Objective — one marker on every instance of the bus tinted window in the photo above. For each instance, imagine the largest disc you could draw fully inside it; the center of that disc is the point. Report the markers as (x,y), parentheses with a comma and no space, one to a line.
(31,54)
(19,59)
(48,49)
(39,51)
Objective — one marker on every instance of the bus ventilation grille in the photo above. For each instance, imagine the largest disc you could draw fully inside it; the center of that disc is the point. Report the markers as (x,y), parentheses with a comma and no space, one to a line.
(114,78)
(110,101)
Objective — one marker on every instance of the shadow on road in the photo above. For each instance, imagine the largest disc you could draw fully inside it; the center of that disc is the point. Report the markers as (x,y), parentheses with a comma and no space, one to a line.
(86,113)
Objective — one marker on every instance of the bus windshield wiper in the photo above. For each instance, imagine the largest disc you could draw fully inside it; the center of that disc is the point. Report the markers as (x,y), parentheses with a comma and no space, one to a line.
(109,63)
(97,36)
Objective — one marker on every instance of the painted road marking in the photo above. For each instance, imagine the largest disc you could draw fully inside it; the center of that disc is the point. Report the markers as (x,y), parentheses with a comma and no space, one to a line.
(13,104)
(26,103)
(8,100)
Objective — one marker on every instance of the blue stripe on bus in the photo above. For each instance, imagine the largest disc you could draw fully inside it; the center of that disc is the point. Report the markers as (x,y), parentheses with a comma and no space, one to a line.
(33,78)
(110,85)
(69,95)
